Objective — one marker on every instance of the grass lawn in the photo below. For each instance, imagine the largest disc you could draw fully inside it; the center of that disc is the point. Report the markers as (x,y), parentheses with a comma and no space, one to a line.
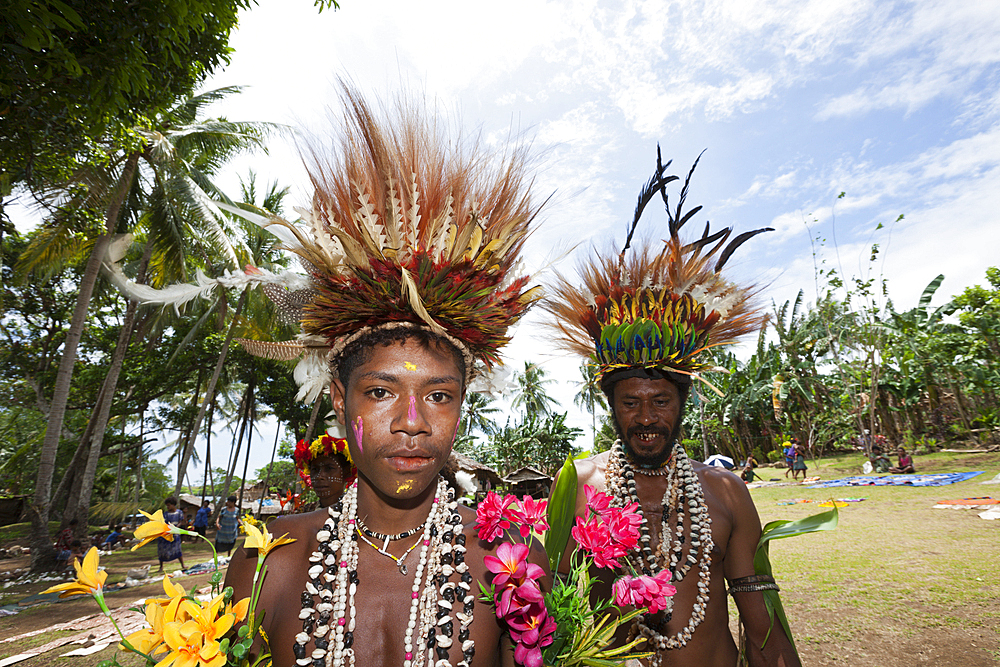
(898,583)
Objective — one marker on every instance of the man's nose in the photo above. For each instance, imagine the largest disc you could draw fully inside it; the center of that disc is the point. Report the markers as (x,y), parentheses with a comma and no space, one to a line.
(646,415)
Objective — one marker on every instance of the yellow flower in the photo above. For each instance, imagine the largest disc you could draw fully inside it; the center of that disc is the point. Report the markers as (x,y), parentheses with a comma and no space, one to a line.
(188,648)
(155,527)
(239,611)
(203,619)
(88,580)
(263,541)
(171,604)
(148,638)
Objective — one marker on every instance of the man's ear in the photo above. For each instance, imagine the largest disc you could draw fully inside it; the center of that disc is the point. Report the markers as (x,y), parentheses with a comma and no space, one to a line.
(337,394)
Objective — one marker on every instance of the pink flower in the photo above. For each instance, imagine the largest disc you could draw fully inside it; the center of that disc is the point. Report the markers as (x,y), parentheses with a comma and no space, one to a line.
(644,591)
(593,537)
(623,528)
(597,501)
(509,565)
(515,602)
(493,516)
(532,514)
(530,631)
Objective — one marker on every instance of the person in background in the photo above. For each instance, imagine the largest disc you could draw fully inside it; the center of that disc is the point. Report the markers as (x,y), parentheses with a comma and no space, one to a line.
(748,473)
(880,462)
(227,524)
(64,542)
(112,539)
(201,518)
(905,463)
(168,550)
(325,466)
(788,449)
(799,463)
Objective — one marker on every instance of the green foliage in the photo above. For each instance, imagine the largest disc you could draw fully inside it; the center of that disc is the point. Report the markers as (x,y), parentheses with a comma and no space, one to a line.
(540,442)
(282,476)
(74,70)
(561,513)
(775,530)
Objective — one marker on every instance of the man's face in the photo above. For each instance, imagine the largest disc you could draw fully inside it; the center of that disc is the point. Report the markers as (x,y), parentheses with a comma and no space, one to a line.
(647,413)
(327,479)
(401,410)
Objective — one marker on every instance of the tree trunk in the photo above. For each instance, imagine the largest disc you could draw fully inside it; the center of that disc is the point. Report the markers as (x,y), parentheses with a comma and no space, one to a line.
(40,540)
(313,417)
(232,464)
(251,420)
(110,384)
(267,477)
(210,390)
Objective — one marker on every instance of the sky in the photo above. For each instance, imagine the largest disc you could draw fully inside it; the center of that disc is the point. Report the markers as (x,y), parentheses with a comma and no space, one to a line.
(894,104)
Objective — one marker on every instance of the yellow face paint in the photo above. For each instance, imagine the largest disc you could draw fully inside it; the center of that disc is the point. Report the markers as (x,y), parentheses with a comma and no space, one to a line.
(409,366)
(405,486)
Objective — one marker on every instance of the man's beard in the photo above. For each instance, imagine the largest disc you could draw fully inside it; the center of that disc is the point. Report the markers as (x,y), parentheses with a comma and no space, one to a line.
(648,461)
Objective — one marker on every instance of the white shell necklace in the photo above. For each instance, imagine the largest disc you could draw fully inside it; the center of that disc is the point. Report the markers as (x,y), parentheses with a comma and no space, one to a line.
(683,494)
(333,579)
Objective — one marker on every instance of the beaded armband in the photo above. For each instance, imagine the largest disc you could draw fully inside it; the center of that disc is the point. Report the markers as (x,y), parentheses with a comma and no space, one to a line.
(753,584)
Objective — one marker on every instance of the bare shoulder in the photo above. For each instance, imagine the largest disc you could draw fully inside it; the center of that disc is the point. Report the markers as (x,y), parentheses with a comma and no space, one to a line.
(298,526)
(592,470)
(723,484)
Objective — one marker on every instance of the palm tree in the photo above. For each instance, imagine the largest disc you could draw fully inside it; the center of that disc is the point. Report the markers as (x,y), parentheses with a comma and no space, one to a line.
(476,414)
(167,173)
(590,396)
(530,394)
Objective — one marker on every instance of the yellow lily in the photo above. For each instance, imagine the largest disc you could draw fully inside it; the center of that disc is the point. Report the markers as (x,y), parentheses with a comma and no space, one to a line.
(263,541)
(155,527)
(239,611)
(89,581)
(171,605)
(146,639)
(189,649)
(203,619)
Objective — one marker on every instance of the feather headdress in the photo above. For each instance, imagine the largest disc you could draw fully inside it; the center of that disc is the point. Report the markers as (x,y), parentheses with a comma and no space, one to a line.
(409,228)
(661,306)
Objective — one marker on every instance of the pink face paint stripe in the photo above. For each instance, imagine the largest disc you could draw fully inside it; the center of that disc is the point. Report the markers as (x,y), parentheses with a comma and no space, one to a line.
(412,414)
(359,434)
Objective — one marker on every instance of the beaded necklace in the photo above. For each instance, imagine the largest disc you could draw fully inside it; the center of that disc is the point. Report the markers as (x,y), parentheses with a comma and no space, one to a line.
(683,494)
(333,579)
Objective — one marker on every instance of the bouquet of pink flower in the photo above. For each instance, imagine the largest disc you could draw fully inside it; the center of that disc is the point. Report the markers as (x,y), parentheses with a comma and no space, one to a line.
(561,627)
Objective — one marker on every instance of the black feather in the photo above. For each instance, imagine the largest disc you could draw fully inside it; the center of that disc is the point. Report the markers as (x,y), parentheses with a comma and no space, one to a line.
(676,219)
(656,183)
(736,243)
(706,239)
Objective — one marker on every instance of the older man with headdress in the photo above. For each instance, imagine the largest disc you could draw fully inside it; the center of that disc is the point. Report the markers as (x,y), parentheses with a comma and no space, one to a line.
(646,317)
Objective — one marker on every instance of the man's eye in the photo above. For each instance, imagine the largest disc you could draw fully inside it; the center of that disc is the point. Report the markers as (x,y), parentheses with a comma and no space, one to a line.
(378,392)
(439,396)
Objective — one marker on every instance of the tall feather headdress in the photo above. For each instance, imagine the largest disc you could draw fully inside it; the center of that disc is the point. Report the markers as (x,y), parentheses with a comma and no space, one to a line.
(660,306)
(408,228)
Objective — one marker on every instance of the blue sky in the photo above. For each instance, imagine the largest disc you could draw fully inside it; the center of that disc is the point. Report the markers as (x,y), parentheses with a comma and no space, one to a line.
(897,104)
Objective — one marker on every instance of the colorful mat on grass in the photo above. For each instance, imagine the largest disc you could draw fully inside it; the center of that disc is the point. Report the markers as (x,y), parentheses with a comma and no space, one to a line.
(841,502)
(983,503)
(939,479)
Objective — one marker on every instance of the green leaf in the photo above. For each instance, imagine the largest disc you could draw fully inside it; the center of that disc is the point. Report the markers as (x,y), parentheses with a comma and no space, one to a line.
(242,632)
(776,530)
(561,513)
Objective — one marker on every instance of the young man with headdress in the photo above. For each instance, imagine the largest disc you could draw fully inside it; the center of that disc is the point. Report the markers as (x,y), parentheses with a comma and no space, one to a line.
(646,318)
(411,250)
(325,466)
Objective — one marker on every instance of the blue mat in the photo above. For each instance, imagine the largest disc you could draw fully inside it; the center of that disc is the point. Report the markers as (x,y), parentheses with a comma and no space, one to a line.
(939,479)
